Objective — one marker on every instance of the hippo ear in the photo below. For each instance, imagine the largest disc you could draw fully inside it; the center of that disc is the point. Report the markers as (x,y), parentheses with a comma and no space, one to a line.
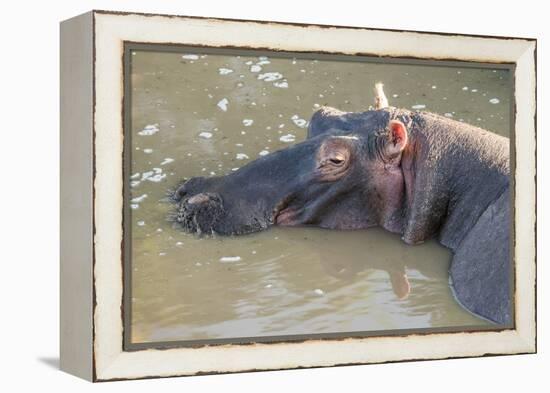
(397,139)
(325,119)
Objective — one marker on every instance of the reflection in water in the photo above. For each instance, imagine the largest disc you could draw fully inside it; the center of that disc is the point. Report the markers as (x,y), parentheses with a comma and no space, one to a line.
(209,114)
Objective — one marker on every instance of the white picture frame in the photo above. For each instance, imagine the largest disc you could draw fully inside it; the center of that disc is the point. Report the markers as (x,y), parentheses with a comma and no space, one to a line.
(92,135)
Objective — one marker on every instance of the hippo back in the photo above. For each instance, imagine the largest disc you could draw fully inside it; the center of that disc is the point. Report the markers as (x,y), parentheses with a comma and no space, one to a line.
(480,271)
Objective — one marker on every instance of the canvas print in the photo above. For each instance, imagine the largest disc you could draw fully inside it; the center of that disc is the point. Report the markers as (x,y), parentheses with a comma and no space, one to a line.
(275,196)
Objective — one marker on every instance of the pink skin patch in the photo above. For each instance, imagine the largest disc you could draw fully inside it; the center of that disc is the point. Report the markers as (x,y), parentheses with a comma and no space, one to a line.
(199,198)
(286,217)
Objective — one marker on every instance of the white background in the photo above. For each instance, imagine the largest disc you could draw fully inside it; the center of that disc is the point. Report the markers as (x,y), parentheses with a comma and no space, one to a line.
(29,197)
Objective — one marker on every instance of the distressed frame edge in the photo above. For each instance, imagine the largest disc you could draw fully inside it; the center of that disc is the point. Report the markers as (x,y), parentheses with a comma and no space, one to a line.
(525,179)
(526,338)
(76,207)
(305,24)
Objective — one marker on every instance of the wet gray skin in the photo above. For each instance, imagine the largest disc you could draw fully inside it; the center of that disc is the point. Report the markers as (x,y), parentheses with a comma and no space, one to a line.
(325,181)
(284,281)
(415,174)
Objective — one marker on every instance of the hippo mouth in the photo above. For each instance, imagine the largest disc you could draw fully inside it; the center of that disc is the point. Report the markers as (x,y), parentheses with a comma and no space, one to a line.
(284,213)
(286,217)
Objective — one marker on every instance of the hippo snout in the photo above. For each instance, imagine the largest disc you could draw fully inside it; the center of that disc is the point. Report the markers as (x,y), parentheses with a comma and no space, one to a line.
(199,213)
(192,186)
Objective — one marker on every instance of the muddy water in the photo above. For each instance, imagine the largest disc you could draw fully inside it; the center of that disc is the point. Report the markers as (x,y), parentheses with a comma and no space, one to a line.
(206,114)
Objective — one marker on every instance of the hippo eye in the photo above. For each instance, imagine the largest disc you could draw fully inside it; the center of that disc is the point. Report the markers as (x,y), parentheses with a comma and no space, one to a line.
(334,158)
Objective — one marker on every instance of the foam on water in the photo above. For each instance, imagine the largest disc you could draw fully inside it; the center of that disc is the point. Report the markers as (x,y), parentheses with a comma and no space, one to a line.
(302,123)
(223,103)
(230,259)
(139,199)
(263,60)
(205,135)
(157,178)
(146,175)
(281,85)
(154,176)
(225,71)
(287,138)
(149,129)
(270,76)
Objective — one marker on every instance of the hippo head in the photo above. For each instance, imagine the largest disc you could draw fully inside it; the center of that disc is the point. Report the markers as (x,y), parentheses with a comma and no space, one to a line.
(345,175)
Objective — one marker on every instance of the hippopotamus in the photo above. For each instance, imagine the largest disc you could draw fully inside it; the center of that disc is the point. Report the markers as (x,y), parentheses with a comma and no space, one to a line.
(414,173)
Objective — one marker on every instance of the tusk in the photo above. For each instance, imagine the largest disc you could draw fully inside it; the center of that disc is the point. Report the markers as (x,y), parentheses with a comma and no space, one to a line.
(380,100)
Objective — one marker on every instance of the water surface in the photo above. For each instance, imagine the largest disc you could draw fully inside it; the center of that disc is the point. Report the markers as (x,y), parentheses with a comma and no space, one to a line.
(196,114)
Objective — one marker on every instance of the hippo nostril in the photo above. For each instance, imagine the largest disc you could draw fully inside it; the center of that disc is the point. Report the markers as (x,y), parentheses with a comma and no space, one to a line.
(200,213)
(180,193)
(198,199)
